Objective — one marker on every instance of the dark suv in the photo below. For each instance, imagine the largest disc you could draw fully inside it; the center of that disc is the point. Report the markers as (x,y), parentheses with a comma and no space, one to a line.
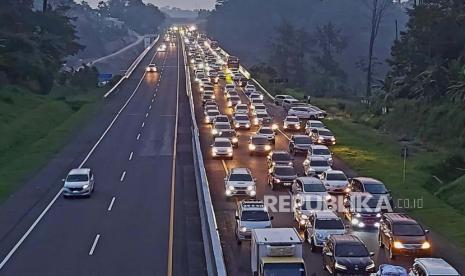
(282,176)
(276,158)
(402,235)
(347,254)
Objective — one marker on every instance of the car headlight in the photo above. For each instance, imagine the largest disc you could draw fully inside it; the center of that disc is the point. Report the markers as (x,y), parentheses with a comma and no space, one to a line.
(358,215)
(230,187)
(333,139)
(370,266)
(328,197)
(425,245)
(274,126)
(235,140)
(304,216)
(239,102)
(347,190)
(252,147)
(255,121)
(355,221)
(229,150)
(297,126)
(378,215)
(214,131)
(267,147)
(243,229)
(339,266)
(277,180)
(237,124)
(247,125)
(252,193)
(214,150)
(85,186)
(398,245)
(285,125)
(229,103)
(330,161)
(250,188)
(261,97)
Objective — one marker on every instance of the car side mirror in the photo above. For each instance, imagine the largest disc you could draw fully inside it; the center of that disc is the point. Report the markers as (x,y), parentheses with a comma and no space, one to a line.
(272,218)
(63,180)
(372,254)
(426,231)
(330,254)
(237,217)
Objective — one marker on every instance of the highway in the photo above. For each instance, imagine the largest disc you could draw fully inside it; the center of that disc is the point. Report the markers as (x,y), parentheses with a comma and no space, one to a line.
(237,257)
(143,217)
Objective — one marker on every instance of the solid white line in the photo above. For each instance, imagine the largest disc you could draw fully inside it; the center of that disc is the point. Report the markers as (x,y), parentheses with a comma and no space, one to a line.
(91,252)
(150,106)
(39,218)
(146,115)
(138,136)
(130,155)
(111,204)
(122,176)
(143,124)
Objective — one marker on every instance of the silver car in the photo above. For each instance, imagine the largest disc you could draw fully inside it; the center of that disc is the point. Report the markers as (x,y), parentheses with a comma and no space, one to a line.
(316,165)
(320,226)
(79,182)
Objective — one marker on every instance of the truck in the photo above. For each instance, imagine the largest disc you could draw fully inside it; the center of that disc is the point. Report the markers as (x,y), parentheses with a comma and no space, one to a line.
(277,251)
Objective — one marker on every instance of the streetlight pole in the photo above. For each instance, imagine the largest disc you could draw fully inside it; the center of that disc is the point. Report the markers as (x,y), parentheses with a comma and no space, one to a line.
(44,5)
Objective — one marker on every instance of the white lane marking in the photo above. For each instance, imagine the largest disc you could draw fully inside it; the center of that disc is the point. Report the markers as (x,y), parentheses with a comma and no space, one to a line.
(130,155)
(225,167)
(146,115)
(143,124)
(138,137)
(150,107)
(94,245)
(122,176)
(47,208)
(153,100)
(287,137)
(111,204)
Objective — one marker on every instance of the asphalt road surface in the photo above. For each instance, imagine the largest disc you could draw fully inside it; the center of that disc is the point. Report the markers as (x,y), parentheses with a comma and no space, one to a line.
(237,257)
(143,217)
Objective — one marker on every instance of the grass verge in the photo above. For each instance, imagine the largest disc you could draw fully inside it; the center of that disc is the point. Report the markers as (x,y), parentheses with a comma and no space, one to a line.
(379,156)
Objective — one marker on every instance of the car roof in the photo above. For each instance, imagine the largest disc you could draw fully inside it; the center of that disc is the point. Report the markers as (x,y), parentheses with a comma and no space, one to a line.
(346,239)
(80,171)
(314,121)
(326,214)
(400,218)
(319,146)
(221,139)
(368,180)
(310,180)
(240,170)
(437,266)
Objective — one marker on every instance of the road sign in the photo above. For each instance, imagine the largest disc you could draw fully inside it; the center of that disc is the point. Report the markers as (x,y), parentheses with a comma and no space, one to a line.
(105,76)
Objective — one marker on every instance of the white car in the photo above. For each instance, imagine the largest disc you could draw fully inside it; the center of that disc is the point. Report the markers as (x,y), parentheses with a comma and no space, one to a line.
(287,103)
(221,119)
(323,136)
(241,108)
(233,101)
(237,77)
(259,108)
(249,89)
(251,214)
(320,226)
(278,99)
(222,147)
(210,115)
(220,126)
(239,181)
(315,165)
(268,132)
(161,48)
(231,93)
(254,102)
(258,118)
(151,68)
(303,112)
(79,182)
(432,266)
(241,120)
(256,95)
(291,122)
(335,181)
(306,206)
(312,124)
(320,150)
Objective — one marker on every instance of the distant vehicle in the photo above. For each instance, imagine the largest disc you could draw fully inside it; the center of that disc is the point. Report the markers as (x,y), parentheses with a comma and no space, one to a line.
(335,181)
(260,117)
(279,158)
(241,109)
(278,99)
(432,267)
(267,132)
(323,136)
(321,225)
(320,150)
(241,120)
(315,165)
(161,48)
(291,123)
(304,112)
(309,186)
(282,176)
(231,135)
(218,127)
(221,119)
(237,77)
(402,235)
(347,254)
(151,68)
(79,182)
(233,101)
(370,185)
(363,210)
(211,115)
(222,147)
(233,62)
(249,89)
(259,144)
(277,251)
(288,103)
(251,214)
(299,144)
(239,181)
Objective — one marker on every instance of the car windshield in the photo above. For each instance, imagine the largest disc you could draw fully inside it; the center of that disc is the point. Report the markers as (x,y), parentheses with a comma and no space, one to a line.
(77,178)
(314,205)
(283,269)
(261,115)
(242,118)
(333,224)
(240,177)
(351,250)
(222,119)
(284,171)
(222,144)
(227,134)
(319,163)
(281,157)
(292,119)
(375,188)
(255,215)
(234,98)
(321,152)
(303,140)
(315,124)
(336,176)
(314,188)
(222,126)
(266,131)
(361,204)
(259,141)
(326,133)
(408,230)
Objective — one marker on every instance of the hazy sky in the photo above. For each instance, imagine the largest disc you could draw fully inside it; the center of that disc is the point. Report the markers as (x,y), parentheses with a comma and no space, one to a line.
(184,4)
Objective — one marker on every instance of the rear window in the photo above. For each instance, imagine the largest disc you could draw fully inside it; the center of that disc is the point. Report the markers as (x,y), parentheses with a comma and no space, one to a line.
(266,131)
(326,133)
(281,157)
(314,188)
(321,152)
(329,224)
(242,117)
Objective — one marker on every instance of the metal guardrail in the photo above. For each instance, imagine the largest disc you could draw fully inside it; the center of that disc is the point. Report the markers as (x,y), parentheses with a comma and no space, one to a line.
(131,68)
(211,237)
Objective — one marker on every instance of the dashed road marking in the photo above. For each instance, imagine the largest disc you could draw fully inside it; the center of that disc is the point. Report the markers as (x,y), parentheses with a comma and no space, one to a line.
(94,245)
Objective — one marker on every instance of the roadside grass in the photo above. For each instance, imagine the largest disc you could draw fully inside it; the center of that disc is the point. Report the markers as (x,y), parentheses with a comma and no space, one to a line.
(377,155)
(34,127)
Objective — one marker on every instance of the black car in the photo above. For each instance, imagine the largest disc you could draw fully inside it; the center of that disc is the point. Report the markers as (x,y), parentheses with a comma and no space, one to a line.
(364,210)
(282,176)
(299,144)
(347,254)
(276,158)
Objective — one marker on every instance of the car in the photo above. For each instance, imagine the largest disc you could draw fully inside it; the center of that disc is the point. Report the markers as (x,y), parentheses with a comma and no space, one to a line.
(207,97)
(230,86)
(256,95)
(288,103)
(258,108)
(79,182)
(237,77)
(259,117)
(322,151)
(279,158)
(209,105)
(221,119)
(278,99)
(364,210)
(312,124)
(320,226)
(231,135)
(253,102)
(239,181)
(204,82)
(335,181)
(211,115)
(304,112)
(308,185)
(402,235)
(315,165)
(208,88)
(222,147)
(161,48)
(432,267)
(221,75)
(249,89)
(291,123)
(230,93)
(282,176)
(370,185)
(323,136)
(241,121)
(151,68)
(268,122)
(347,254)
(307,205)
(259,144)
(251,214)
(267,132)
(233,101)
(219,127)
(299,144)
(241,108)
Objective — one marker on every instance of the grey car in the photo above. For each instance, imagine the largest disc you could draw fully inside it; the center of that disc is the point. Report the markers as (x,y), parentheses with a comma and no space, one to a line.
(79,182)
